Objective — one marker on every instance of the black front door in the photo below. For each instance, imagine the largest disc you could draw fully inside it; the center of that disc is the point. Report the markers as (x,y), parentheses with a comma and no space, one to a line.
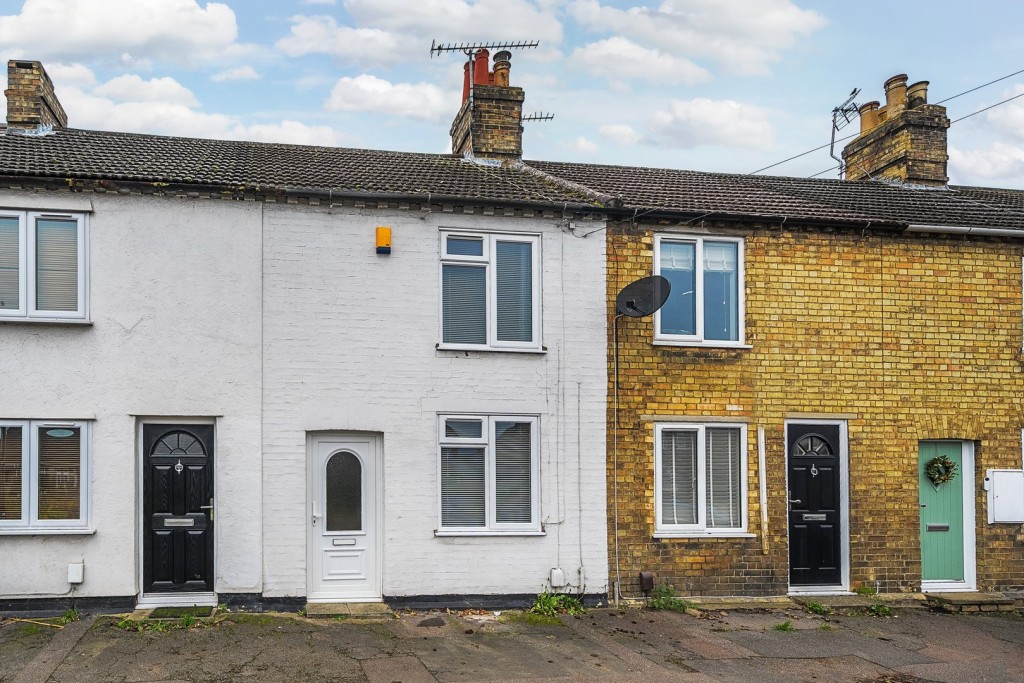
(815,540)
(177,508)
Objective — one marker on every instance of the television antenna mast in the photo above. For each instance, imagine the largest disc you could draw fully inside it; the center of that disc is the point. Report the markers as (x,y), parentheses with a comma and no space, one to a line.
(470,50)
(842,116)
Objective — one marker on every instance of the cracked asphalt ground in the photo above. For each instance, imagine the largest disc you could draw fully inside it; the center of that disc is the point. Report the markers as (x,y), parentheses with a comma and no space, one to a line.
(602,645)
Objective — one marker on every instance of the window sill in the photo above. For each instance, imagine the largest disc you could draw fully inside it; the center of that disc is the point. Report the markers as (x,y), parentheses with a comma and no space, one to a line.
(46,321)
(55,531)
(455,534)
(703,534)
(488,349)
(702,345)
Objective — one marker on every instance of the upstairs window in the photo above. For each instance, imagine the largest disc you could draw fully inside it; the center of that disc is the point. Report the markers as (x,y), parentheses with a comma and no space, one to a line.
(490,291)
(43,475)
(705,306)
(42,266)
(488,473)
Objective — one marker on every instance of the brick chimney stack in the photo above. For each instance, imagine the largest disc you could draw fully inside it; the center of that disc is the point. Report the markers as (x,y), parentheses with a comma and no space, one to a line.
(903,140)
(489,123)
(31,101)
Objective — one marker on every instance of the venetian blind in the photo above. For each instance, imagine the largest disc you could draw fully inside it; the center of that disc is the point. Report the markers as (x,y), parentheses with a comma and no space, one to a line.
(722,460)
(464,304)
(56,265)
(512,473)
(678,477)
(11,439)
(60,461)
(514,263)
(463,500)
(10,277)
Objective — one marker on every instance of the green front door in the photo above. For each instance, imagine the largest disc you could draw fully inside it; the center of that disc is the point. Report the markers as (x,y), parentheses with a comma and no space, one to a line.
(942,515)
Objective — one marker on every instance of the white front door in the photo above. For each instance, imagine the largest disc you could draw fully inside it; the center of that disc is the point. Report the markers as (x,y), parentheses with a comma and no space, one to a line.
(343,521)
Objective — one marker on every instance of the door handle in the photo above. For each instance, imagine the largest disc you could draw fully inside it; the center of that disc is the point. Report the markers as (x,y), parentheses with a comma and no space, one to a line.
(316,515)
(208,507)
(795,501)
(924,505)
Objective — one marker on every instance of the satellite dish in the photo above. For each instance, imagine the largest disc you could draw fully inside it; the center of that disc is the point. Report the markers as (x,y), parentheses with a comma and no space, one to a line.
(642,298)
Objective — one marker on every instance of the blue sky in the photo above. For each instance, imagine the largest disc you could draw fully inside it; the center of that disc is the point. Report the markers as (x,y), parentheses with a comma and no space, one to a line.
(715,85)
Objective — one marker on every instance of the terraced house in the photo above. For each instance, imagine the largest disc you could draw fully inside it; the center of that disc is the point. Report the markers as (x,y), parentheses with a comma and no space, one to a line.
(269,374)
(831,397)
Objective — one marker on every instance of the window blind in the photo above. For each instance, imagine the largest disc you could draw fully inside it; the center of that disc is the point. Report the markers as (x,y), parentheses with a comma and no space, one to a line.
(514,264)
(60,461)
(56,265)
(10,275)
(722,469)
(464,304)
(11,450)
(512,477)
(679,477)
(463,501)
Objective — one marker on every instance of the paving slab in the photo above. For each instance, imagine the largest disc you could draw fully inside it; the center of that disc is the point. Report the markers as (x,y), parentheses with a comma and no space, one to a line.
(835,643)
(821,670)
(50,657)
(20,643)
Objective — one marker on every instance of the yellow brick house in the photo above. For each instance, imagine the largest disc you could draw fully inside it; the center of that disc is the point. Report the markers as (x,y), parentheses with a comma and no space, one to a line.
(833,394)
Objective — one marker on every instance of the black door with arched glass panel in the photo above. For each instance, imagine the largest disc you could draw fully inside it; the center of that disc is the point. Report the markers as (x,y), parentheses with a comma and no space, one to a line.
(177,547)
(815,526)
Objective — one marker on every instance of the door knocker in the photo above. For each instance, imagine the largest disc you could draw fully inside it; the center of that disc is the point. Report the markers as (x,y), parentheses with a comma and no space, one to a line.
(814,471)
(179,467)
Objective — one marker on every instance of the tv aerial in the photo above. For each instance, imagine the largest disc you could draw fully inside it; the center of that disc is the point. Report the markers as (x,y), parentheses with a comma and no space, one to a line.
(471,49)
(842,116)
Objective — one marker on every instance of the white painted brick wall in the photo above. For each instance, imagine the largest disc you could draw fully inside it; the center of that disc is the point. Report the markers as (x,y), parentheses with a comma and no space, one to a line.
(349,339)
(175,304)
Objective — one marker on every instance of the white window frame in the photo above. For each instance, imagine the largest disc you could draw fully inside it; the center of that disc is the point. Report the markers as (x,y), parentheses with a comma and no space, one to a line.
(700,529)
(698,293)
(488,260)
(30,522)
(27,274)
(488,441)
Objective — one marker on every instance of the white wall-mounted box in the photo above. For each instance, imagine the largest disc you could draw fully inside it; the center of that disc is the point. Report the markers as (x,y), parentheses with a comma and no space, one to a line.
(1005,496)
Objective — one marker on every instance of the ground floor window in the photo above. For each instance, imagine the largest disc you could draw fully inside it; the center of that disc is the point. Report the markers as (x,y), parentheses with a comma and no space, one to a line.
(700,479)
(43,474)
(488,471)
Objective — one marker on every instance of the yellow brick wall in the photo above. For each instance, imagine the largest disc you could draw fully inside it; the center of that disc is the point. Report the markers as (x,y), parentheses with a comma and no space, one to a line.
(905,337)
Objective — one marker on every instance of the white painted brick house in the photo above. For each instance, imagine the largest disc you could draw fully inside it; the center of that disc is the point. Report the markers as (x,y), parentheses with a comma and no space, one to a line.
(218,389)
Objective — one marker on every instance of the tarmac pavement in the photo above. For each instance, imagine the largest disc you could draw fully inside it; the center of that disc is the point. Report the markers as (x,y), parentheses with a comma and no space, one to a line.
(627,645)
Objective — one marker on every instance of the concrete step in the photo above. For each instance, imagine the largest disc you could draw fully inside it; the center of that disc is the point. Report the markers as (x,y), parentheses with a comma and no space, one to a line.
(971,602)
(362,611)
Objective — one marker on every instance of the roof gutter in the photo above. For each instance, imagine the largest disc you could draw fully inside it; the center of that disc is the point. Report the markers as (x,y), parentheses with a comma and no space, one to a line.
(965,230)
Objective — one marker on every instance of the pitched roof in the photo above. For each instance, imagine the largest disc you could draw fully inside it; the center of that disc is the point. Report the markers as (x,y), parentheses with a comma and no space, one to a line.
(265,167)
(234,165)
(776,197)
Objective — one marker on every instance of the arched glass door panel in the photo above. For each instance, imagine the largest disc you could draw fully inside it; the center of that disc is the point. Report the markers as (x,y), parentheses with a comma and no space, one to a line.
(344,481)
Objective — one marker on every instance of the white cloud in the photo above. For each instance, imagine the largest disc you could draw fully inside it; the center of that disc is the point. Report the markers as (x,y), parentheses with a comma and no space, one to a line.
(70,74)
(744,36)
(618,58)
(620,134)
(411,100)
(455,20)
(113,106)
(80,29)
(242,73)
(1000,164)
(1008,118)
(323,35)
(691,123)
(131,88)
(583,145)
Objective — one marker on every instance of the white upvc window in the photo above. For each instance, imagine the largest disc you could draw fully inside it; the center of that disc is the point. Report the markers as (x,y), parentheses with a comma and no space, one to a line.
(43,266)
(705,306)
(488,469)
(700,479)
(490,291)
(44,475)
